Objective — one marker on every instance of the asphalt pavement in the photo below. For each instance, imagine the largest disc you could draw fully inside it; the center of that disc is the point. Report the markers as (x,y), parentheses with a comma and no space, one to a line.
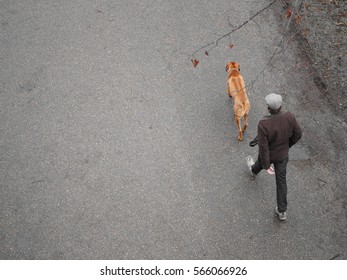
(113,146)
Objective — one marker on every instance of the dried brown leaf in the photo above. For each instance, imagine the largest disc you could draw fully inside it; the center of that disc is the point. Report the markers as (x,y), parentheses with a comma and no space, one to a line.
(298,19)
(289,13)
(195,62)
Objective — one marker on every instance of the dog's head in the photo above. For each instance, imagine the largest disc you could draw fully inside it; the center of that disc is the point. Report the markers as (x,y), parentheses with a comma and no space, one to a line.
(232,66)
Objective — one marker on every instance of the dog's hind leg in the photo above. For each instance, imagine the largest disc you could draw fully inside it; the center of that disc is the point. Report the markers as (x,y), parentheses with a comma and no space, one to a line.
(238,124)
(246,122)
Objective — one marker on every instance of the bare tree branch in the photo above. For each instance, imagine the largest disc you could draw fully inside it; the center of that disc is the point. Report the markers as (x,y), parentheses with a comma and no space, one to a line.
(215,43)
(297,7)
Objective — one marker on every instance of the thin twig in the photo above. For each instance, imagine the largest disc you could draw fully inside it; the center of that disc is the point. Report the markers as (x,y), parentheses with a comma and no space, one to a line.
(215,43)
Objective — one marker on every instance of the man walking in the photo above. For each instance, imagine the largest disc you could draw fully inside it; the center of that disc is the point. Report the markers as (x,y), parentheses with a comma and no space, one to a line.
(277,132)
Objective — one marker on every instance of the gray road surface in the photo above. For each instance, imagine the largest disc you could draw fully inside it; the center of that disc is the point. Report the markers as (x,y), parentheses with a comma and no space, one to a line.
(114,147)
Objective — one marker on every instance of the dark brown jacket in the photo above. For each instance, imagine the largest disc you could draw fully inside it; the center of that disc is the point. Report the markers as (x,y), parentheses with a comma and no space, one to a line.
(276,134)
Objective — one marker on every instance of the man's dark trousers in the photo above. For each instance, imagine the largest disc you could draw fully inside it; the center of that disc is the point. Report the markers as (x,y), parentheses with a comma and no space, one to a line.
(281,181)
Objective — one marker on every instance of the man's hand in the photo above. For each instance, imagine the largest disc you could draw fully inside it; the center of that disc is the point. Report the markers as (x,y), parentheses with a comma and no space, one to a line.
(271,170)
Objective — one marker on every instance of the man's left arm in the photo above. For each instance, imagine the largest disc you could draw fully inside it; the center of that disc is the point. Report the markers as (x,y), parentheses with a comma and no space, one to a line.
(263,144)
(297,133)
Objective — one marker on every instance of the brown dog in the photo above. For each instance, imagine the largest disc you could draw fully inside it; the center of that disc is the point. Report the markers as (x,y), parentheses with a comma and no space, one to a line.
(237,90)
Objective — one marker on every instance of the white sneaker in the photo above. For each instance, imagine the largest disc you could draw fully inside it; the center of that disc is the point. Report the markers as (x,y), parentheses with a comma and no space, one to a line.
(281,216)
(250,163)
